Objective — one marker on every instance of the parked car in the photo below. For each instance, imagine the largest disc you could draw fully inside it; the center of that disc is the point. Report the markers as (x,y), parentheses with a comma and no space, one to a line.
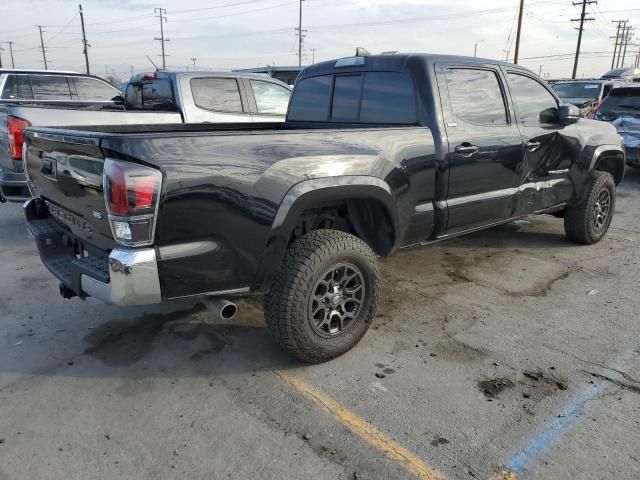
(626,74)
(210,96)
(622,109)
(378,153)
(584,94)
(66,98)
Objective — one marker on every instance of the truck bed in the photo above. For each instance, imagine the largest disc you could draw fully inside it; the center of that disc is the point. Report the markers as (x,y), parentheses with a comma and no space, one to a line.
(224,184)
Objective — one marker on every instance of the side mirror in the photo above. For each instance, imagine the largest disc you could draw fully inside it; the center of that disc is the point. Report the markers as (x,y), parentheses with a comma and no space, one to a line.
(568,114)
(118,100)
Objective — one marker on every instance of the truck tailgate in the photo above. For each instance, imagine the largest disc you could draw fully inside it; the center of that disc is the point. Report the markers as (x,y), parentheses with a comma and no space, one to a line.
(66,172)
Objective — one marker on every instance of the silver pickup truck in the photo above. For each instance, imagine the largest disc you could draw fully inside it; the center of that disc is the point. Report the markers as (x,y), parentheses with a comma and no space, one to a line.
(54,98)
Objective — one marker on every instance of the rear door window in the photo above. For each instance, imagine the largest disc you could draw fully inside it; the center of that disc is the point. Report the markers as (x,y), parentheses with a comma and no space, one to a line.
(388,97)
(476,96)
(17,87)
(219,94)
(626,100)
(270,98)
(93,90)
(50,87)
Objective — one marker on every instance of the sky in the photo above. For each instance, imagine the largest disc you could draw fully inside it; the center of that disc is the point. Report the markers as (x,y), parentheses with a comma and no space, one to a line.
(250,33)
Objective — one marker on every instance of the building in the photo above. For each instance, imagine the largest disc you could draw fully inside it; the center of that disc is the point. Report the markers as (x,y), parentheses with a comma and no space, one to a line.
(287,75)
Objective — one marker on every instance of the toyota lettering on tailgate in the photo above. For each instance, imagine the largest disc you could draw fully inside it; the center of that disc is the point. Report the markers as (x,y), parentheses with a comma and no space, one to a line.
(68,217)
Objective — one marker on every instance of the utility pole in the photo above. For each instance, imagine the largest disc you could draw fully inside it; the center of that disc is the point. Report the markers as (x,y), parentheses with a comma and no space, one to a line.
(1,50)
(313,55)
(131,68)
(515,58)
(582,19)
(161,13)
(193,59)
(85,44)
(301,35)
(540,70)
(627,39)
(615,49)
(622,35)
(475,48)
(13,65)
(44,54)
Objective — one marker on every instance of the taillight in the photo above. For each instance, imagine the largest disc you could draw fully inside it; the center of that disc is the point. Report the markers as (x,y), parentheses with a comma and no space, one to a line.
(132,193)
(14,129)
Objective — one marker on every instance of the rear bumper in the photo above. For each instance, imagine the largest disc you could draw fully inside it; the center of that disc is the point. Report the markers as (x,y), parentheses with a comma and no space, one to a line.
(13,186)
(120,277)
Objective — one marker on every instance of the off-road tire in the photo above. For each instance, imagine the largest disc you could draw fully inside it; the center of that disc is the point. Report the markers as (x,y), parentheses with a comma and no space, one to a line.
(579,224)
(286,306)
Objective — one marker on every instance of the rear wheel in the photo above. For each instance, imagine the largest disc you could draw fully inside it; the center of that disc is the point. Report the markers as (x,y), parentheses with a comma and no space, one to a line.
(324,296)
(589,221)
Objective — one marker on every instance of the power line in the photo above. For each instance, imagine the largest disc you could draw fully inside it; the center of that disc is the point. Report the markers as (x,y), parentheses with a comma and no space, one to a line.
(583,18)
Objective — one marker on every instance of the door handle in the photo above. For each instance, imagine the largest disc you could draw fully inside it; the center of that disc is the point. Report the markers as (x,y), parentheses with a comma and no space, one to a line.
(466,149)
(533,146)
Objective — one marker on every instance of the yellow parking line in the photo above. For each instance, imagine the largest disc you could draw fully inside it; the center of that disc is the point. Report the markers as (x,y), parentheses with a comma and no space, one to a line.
(364,430)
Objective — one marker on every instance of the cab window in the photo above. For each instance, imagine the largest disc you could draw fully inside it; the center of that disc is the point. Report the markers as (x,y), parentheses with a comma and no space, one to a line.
(271,99)
(370,97)
(150,95)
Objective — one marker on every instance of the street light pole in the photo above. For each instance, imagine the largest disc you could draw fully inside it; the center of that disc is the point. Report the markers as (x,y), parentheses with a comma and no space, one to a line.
(193,59)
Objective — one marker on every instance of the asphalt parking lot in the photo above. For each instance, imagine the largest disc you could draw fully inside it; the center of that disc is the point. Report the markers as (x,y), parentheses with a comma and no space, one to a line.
(509,353)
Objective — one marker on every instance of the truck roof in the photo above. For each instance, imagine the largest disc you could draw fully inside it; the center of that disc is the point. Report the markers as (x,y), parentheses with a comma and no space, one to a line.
(394,61)
(160,74)
(48,72)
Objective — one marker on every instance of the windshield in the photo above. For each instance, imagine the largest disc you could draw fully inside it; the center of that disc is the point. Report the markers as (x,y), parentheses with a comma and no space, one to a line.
(577,90)
(624,99)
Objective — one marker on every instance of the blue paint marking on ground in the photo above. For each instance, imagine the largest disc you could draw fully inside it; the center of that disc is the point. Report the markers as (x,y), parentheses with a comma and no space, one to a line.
(558,426)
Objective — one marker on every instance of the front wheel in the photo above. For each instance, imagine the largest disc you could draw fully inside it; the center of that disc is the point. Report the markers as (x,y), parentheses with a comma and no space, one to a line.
(324,296)
(588,221)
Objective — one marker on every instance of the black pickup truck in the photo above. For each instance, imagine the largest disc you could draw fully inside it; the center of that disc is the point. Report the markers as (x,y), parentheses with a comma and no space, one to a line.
(378,153)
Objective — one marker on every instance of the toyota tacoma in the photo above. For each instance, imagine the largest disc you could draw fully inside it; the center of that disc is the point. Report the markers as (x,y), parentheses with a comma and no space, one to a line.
(377,153)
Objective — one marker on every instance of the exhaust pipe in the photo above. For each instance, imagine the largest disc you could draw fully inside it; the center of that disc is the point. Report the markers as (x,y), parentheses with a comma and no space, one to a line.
(221,307)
